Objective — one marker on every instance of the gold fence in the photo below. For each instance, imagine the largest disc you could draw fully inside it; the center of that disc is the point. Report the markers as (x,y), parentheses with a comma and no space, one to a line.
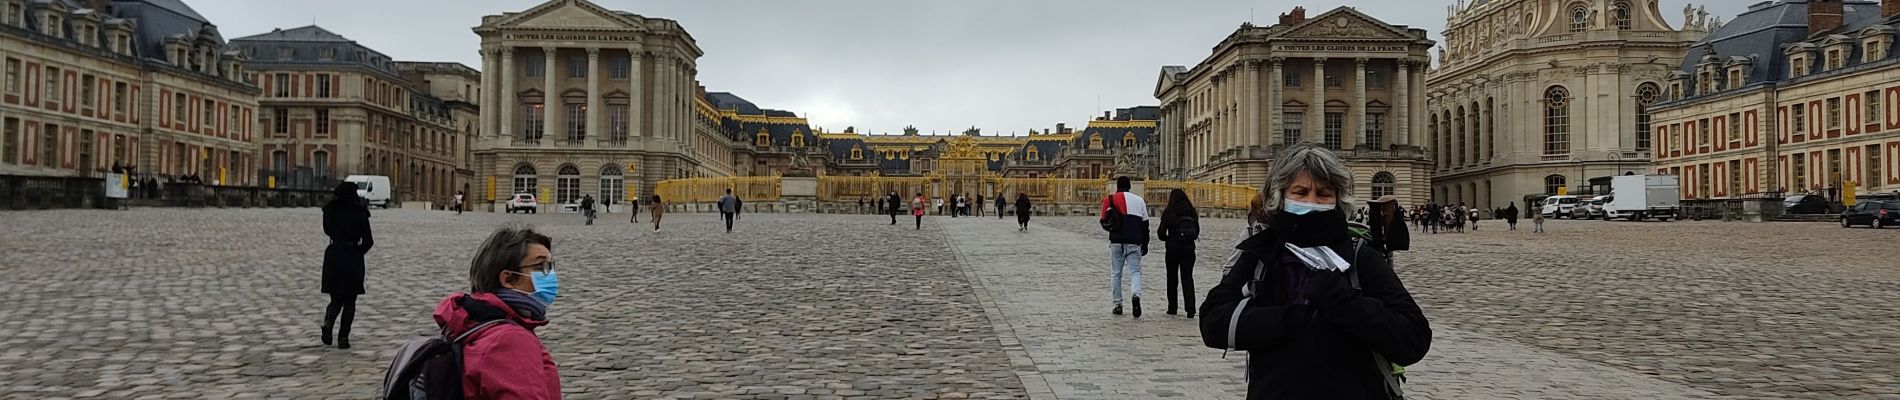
(1202,194)
(1053,190)
(704,190)
(853,188)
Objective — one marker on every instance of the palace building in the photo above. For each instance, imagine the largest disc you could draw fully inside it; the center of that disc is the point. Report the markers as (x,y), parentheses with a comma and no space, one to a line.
(1792,96)
(1342,79)
(333,108)
(1535,97)
(145,83)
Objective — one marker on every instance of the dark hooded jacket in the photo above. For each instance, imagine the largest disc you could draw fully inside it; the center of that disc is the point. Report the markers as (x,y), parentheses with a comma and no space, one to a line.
(346,222)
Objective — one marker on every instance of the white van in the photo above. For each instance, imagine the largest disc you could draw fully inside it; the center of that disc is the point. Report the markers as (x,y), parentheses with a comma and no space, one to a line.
(374,189)
(1559,206)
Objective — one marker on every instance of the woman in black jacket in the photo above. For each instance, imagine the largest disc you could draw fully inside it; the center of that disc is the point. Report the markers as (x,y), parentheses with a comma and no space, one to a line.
(346,221)
(1180,226)
(1022,212)
(1313,332)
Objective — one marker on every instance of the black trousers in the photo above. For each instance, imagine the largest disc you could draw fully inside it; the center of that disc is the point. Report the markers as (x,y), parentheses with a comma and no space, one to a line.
(920,222)
(1180,262)
(728,217)
(343,305)
(893,218)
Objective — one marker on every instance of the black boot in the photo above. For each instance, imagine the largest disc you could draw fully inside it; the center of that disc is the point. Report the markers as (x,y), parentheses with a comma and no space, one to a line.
(326,333)
(1137,302)
(343,339)
(1117,311)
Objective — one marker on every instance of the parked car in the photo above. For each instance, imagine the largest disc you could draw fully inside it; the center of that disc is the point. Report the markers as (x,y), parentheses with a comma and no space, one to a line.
(1804,204)
(1591,208)
(1876,214)
(522,202)
(1559,206)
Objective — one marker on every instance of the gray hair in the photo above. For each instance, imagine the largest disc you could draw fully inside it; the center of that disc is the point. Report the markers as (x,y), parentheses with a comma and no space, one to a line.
(502,251)
(1322,164)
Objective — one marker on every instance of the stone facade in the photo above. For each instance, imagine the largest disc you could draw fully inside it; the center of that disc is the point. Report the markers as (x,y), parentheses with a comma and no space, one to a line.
(1807,104)
(1342,79)
(457,87)
(1535,96)
(144,83)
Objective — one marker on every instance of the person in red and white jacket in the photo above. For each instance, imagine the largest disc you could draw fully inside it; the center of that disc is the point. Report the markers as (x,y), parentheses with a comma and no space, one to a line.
(1125,216)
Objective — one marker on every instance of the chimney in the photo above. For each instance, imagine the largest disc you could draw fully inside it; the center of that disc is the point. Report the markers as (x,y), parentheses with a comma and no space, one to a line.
(1825,15)
(1105,115)
(1297,16)
(1060,129)
(1889,8)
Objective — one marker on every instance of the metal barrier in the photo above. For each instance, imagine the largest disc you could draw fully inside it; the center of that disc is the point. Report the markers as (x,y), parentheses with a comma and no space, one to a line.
(1202,194)
(19,192)
(704,190)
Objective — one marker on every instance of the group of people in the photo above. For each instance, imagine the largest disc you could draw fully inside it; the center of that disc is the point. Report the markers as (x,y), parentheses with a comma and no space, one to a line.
(961,205)
(1434,217)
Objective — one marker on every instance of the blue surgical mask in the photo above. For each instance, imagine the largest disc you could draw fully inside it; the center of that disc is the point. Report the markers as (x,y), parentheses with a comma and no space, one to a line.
(1302,208)
(546,286)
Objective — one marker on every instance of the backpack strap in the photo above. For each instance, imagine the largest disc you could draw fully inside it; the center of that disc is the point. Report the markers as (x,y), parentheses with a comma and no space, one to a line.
(1379,362)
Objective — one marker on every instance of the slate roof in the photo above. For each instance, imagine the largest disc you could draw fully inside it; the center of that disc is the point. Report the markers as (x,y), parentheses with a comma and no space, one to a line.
(311,33)
(1761,32)
(159,20)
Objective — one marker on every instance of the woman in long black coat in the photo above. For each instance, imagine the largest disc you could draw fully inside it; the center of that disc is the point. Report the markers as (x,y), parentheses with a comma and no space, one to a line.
(1022,212)
(346,221)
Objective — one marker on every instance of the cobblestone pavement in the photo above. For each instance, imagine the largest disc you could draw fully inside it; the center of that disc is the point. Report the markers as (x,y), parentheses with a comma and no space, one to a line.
(223,304)
(1775,310)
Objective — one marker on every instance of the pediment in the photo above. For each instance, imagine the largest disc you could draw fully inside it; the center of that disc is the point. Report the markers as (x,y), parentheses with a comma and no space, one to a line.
(567,14)
(1346,23)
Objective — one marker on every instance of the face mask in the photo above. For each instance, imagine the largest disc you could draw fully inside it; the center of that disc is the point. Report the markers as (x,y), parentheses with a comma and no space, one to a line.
(1302,208)
(546,286)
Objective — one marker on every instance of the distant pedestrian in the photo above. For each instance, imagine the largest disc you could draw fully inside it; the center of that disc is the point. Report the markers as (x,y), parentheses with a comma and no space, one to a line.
(587,208)
(1022,211)
(1474,219)
(633,206)
(1510,215)
(978,205)
(346,222)
(939,205)
(458,202)
(891,206)
(917,209)
(659,209)
(728,207)
(1180,227)
(1385,222)
(738,208)
(1000,205)
(1537,222)
(1125,216)
(860,204)
(511,284)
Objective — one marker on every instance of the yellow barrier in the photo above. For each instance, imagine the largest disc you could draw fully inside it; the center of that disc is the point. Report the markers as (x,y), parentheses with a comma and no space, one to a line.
(852,188)
(1203,194)
(706,190)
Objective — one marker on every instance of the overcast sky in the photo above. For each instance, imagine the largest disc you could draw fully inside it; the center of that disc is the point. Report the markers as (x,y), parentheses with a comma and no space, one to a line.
(1001,65)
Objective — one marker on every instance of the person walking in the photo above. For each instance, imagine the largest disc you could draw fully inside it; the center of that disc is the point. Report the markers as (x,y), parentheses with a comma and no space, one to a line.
(1180,227)
(728,207)
(1320,314)
(1386,225)
(587,208)
(1537,222)
(978,204)
(956,205)
(1000,205)
(860,204)
(633,210)
(1474,218)
(511,285)
(1510,215)
(893,207)
(346,222)
(1125,216)
(917,209)
(458,202)
(939,205)
(1022,211)
(659,209)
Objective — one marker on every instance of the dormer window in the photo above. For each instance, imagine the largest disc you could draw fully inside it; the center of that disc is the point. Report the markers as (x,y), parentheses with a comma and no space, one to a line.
(1797,66)
(857,152)
(16,14)
(88,35)
(1735,77)
(1874,42)
(798,139)
(123,45)
(326,54)
(283,53)
(52,26)
(764,138)
(1034,155)
(1835,60)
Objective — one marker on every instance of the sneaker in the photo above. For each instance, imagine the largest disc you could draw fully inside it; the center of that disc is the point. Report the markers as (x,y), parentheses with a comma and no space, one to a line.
(1117,311)
(1137,303)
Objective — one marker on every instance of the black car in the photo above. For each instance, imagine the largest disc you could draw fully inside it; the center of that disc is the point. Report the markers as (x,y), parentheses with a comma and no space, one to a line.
(1877,214)
(1805,204)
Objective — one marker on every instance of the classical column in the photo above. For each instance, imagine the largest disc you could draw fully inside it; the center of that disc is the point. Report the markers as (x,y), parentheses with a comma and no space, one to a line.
(490,58)
(1418,101)
(554,109)
(1250,104)
(1358,104)
(636,95)
(663,88)
(593,92)
(1276,83)
(507,102)
(1402,100)
(1315,130)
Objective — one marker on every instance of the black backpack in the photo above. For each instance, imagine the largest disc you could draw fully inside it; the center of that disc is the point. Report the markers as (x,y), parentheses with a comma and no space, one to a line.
(430,367)
(1112,216)
(1186,228)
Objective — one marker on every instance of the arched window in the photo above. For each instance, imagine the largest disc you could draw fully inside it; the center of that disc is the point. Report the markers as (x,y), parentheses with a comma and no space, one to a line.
(1432,130)
(1553,183)
(798,139)
(1383,184)
(611,184)
(1034,155)
(1556,121)
(1647,94)
(764,138)
(1490,128)
(857,152)
(1128,140)
(1458,153)
(567,185)
(1579,17)
(525,179)
(1095,141)
(1621,12)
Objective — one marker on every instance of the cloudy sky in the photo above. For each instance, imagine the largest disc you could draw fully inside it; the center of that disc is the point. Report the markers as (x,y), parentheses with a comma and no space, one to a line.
(1001,65)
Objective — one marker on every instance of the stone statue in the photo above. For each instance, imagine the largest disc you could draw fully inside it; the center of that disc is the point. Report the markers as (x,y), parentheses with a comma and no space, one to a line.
(1702,17)
(1715,24)
(1688,16)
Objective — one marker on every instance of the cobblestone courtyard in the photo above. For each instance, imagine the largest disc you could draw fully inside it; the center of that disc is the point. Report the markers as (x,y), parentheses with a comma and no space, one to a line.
(157,303)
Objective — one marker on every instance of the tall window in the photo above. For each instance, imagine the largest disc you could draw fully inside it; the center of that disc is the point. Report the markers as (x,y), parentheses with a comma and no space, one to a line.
(532,122)
(52,84)
(49,146)
(1800,118)
(280,120)
(525,179)
(617,122)
(1579,18)
(1702,132)
(1375,130)
(612,188)
(16,14)
(279,161)
(1834,113)
(13,75)
(567,185)
(1873,106)
(623,67)
(320,163)
(576,122)
(1621,13)
(1799,168)
(210,113)
(10,141)
(323,121)
(1834,60)
(1556,121)
(1374,80)
(534,65)
(118,98)
(1290,78)
(577,65)
(1332,81)
(1873,167)
(1552,183)
(1383,184)
(87,93)
(323,85)
(281,85)
(1335,130)
(1734,130)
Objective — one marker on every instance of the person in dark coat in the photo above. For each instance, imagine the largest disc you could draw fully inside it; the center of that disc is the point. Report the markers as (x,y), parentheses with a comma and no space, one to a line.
(1510,215)
(1000,205)
(1310,330)
(894,207)
(346,221)
(1180,245)
(1387,226)
(1022,212)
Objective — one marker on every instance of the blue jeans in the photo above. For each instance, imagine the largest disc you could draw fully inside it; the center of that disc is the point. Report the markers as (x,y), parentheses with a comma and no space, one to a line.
(1119,255)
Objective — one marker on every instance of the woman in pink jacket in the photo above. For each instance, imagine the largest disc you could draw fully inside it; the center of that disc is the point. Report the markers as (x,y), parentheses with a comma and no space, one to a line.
(917,209)
(512,278)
